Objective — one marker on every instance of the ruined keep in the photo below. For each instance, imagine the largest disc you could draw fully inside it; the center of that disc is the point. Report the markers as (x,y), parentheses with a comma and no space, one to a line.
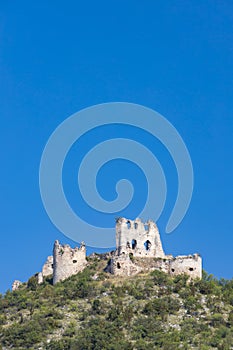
(64,262)
(67,261)
(139,248)
(137,238)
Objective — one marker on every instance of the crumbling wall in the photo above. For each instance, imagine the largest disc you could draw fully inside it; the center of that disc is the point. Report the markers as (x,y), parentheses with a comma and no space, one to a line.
(67,261)
(123,266)
(190,265)
(138,238)
(139,248)
(47,269)
(16,284)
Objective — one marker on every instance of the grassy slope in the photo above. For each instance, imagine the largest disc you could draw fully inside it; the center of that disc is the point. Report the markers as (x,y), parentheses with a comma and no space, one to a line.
(95,310)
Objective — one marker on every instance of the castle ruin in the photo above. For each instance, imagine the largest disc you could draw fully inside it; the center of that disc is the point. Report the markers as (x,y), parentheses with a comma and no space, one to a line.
(138,248)
(137,238)
(67,261)
(64,262)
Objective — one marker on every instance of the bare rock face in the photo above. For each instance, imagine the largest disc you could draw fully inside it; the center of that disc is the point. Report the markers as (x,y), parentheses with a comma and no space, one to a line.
(67,261)
(139,247)
(16,284)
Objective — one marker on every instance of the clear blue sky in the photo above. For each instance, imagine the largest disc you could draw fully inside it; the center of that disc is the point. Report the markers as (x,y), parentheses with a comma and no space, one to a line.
(58,57)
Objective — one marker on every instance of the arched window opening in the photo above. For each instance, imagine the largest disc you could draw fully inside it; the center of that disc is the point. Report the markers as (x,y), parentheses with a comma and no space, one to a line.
(147,245)
(135,225)
(146,227)
(118,265)
(128,224)
(134,243)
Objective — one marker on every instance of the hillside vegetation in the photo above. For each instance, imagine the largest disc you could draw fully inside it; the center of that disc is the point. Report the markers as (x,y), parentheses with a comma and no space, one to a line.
(95,310)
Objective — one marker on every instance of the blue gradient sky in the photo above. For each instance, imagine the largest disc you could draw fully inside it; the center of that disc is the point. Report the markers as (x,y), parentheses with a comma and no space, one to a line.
(57,58)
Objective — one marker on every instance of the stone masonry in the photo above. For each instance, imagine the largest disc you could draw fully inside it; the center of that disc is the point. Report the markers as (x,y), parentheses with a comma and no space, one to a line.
(139,248)
(16,284)
(47,269)
(67,261)
(64,262)
(138,238)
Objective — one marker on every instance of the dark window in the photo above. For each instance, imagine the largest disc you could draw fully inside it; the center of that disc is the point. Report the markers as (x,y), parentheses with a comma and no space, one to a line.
(118,265)
(135,225)
(173,270)
(147,245)
(134,243)
(74,261)
(128,224)
(191,269)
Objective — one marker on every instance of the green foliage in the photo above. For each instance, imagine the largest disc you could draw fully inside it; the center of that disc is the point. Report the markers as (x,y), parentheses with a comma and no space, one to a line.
(96,306)
(33,283)
(147,311)
(161,307)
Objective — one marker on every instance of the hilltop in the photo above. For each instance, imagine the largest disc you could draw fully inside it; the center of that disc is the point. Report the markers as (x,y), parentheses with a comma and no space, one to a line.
(98,310)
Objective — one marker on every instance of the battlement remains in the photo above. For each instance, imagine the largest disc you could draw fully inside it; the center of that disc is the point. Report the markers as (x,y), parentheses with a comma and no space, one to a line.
(139,248)
(138,238)
(67,261)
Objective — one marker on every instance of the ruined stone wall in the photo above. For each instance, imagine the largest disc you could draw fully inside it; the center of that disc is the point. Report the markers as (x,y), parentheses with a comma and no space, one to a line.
(190,265)
(16,284)
(151,264)
(67,261)
(123,266)
(139,248)
(138,238)
(47,269)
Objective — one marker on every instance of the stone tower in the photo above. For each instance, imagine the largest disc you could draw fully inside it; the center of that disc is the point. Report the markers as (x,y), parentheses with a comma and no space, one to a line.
(138,238)
(139,248)
(67,261)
